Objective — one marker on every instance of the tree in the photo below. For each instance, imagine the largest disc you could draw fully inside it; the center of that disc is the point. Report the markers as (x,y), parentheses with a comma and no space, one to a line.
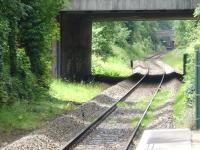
(11,11)
(37,31)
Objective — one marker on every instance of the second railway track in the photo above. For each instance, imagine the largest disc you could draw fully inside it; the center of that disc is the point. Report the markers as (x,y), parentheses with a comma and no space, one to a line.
(103,134)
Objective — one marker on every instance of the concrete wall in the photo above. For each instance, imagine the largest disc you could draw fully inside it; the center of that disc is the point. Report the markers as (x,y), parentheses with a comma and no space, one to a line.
(75,57)
(99,5)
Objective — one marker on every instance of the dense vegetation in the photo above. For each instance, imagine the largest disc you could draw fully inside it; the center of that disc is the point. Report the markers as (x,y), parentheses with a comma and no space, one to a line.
(27,30)
(116,43)
(187,41)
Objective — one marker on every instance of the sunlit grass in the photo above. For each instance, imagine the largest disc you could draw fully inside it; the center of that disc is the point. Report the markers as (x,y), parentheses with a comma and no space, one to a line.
(179,105)
(75,92)
(112,66)
(123,105)
(143,103)
(158,101)
(175,60)
(183,113)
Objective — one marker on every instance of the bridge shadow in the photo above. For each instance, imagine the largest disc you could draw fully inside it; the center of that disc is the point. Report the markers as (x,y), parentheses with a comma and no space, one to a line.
(107,79)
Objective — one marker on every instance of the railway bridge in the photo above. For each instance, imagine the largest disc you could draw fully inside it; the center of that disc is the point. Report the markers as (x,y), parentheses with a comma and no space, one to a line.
(74,48)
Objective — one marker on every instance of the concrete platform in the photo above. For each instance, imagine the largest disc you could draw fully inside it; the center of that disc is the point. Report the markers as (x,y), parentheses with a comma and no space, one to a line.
(166,139)
(196,140)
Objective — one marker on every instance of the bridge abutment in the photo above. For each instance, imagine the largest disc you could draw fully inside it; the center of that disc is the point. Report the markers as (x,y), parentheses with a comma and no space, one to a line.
(75,57)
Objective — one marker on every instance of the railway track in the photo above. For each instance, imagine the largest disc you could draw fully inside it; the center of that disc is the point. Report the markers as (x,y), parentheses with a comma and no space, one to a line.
(136,129)
(79,138)
(155,56)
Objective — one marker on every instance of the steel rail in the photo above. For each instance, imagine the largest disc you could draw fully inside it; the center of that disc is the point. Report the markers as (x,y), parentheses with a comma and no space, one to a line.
(153,56)
(103,116)
(136,129)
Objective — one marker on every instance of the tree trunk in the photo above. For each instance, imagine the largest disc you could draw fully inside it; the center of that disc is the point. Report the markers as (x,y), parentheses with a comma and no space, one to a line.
(12,45)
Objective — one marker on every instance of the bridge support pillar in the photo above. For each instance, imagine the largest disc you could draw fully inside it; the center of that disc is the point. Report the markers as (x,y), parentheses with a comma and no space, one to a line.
(75,56)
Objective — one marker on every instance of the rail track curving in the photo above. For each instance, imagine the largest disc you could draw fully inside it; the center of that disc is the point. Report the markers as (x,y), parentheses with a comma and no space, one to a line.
(91,127)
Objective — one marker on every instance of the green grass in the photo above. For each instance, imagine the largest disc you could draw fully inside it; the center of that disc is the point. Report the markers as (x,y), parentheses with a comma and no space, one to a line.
(117,64)
(112,66)
(134,121)
(123,105)
(179,107)
(143,103)
(75,92)
(158,101)
(28,116)
(174,59)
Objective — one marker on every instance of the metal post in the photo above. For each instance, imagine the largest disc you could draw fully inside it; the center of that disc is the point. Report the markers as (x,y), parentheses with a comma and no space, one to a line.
(185,57)
(131,65)
(198,90)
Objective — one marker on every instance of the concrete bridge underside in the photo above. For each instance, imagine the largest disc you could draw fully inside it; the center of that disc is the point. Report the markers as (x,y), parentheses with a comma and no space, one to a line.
(76,26)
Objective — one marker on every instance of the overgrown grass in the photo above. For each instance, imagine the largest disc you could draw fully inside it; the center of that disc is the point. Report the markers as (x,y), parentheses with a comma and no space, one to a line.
(75,92)
(28,116)
(25,115)
(179,106)
(112,66)
(183,111)
(175,59)
(117,64)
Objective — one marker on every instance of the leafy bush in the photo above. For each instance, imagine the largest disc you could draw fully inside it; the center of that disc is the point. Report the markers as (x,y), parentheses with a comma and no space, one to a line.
(112,66)
(114,44)
(23,63)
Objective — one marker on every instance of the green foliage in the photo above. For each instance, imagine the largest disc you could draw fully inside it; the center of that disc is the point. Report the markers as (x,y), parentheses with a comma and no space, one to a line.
(112,66)
(107,33)
(175,59)
(11,11)
(23,63)
(32,27)
(187,39)
(38,30)
(179,107)
(1,49)
(12,45)
(13,8)
(28,116)
(114,44)
(27,30)
(183,33)
(100,41)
